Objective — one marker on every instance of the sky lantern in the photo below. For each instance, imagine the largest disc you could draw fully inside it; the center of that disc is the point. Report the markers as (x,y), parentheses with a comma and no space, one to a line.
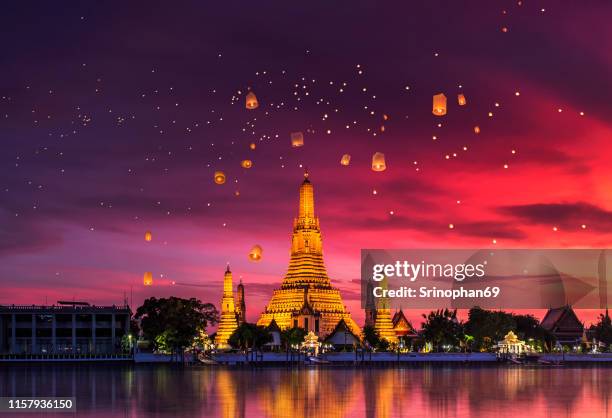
(251,101)
(255,253)
(346,159)
(148,278)
(378,162)
(476,129)
(439,104)
(252,145)
(385,117)
(297,139)
(246,163)
(461,100)
(148,236)
(219,177)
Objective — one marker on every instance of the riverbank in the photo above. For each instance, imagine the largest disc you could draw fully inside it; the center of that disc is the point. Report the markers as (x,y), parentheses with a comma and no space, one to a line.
(295,358)
(368,358)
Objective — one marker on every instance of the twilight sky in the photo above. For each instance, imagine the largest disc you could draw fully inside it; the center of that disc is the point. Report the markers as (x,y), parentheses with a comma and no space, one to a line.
(115,116)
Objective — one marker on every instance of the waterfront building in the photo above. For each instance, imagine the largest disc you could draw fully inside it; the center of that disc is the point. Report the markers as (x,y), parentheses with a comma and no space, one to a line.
(311,343)
(402,327)
(384,326)
(228,321)
(65,328)
(240,304)
(275,336)
(564,324)
(512,345)
(342,338)
(306,297)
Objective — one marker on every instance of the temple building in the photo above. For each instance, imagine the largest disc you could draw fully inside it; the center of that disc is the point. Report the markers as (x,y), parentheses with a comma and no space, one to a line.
(403,327)
(564,325)
(240,304)
(228,322)
(383,325)
(342,338)
(306,297)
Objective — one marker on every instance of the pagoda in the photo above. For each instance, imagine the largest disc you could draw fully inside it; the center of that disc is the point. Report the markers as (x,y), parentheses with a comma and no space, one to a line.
(383,324)
(306,297)
(228,321)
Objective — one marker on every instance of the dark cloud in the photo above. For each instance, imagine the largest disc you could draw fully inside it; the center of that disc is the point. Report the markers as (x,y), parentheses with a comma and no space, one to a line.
(561,214)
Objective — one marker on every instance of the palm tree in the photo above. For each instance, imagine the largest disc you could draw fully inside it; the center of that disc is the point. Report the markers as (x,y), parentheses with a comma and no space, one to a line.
(441,327)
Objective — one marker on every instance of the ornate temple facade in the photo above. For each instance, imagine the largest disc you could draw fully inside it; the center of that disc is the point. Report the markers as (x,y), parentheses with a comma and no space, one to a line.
(228,321)
(306,297)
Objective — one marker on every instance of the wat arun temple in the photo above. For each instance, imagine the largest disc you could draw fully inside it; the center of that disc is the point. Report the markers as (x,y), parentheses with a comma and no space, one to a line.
(306,297)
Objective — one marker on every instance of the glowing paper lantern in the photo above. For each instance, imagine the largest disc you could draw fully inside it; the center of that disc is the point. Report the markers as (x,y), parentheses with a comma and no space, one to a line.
(251,101)
(297,139)
(378,162)
(382,128)
(346,159)
(439,104)
(246,163)
(255,253)
(219,177)
(252,145)
(148,236)
(148,278)
(461,100)
(476,129)
(385,117)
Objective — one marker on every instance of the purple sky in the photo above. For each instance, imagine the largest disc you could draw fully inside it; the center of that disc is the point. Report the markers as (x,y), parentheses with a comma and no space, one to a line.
(114,117)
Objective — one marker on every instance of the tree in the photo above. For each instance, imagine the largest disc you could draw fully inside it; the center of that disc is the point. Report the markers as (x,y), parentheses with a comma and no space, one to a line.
(173,323)
(441,327)
(529,328)
(467,342)
(248,336)
(373,339)
(488,327)
(292,336)
(603,328)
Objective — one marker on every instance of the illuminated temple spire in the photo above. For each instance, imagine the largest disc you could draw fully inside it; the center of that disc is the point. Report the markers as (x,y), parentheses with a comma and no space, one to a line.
(383,324)
(306,297)
(227,321)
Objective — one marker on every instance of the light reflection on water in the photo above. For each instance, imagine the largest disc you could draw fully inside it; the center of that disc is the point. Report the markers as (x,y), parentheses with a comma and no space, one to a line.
(136,391)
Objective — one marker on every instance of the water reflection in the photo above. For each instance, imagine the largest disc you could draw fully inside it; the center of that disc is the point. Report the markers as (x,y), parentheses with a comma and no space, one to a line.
(134,391)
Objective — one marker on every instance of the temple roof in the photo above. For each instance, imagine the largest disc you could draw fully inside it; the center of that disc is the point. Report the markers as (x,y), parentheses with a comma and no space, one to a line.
(554,316)
(273,326)
(399,316)
(342,327)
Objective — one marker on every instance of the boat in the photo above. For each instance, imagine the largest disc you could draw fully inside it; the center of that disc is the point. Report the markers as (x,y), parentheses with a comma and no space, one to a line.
(206,360)
(316,360)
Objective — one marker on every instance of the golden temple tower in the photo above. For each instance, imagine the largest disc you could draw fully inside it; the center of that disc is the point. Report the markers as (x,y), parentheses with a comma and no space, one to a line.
(383,324)
(306,297)
(228,322)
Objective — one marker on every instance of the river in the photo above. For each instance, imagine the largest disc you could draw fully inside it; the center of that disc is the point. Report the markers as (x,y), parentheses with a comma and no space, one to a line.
(423,391)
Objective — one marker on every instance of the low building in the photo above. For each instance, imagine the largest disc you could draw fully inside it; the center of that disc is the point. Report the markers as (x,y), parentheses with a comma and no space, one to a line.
(512,345)
(342,338)
(564,325)
(275,336)
(66,328)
